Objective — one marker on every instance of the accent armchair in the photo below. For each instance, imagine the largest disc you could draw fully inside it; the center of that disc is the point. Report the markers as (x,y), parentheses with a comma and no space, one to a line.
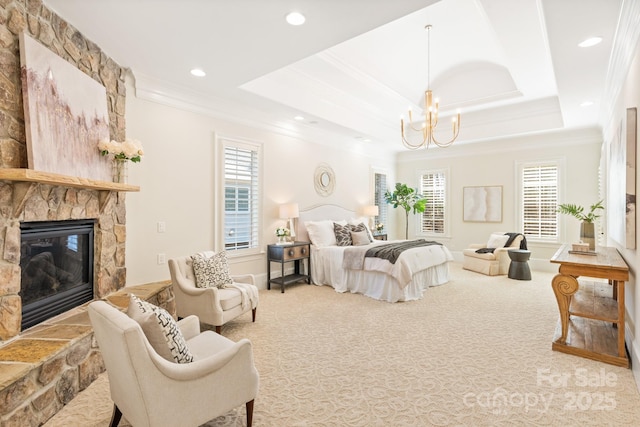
(151,391)
(213,306)
(491,263)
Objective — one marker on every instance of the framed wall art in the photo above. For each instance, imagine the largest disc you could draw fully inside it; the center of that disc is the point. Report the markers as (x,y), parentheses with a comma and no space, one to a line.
(65,115)
(482,204)
(630,199)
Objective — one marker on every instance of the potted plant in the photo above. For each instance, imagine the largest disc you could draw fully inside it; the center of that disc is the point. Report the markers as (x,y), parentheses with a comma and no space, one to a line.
(409,199)
(587,228)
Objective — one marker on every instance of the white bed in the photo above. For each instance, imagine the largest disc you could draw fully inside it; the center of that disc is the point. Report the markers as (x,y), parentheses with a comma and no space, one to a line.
(416,270)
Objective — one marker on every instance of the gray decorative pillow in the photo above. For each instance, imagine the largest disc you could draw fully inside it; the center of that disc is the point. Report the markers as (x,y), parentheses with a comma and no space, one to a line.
(360,227)
(360,238)
(212,272)
(343,234)
(161,330)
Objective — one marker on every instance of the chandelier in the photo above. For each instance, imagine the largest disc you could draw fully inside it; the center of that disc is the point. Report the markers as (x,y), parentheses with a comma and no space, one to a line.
(428,127)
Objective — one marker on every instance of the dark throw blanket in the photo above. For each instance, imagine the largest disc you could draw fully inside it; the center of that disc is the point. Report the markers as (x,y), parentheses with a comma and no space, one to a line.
(512,237)
(391,251)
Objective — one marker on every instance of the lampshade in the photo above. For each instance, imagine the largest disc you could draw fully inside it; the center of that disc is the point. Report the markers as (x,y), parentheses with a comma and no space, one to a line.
(371,210)
(289,210)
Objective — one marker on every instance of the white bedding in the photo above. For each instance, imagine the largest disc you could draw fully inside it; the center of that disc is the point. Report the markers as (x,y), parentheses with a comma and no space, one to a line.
(417,271)
(406,280)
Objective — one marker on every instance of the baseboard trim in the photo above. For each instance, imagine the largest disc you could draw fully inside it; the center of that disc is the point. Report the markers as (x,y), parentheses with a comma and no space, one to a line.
(634,352)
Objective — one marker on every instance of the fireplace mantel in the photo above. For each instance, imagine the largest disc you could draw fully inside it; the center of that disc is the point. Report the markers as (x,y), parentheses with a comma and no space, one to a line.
(29,175)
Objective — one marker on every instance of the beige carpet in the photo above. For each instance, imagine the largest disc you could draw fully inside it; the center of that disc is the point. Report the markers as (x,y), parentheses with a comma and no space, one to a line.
(473,352)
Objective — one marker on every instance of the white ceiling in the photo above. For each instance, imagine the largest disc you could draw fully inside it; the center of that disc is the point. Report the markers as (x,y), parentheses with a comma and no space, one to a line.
(355,66)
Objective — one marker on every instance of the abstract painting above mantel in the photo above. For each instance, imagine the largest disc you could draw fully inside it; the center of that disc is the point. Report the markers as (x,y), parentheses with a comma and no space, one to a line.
(65,115)
(482,204)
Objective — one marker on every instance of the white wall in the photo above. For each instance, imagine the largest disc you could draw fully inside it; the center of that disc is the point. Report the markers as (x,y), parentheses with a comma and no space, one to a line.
(177,176)
(630,97)
(491,164)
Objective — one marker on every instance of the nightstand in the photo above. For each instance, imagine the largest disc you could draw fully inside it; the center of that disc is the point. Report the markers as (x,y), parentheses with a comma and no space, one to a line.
(295,252)
(380,236)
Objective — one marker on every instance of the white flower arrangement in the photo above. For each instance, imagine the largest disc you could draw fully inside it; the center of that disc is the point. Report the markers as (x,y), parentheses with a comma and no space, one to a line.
(130,149)
(282,231)
(379,227)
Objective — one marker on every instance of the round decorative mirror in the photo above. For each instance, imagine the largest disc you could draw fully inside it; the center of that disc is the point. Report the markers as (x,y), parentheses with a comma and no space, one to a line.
(324,179)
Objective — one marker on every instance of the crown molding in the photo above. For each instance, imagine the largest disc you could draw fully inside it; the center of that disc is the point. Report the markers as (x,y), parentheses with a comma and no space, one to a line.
(154,90)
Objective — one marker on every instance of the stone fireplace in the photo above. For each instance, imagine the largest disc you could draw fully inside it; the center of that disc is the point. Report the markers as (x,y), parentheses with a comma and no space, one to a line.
(32,202)
(44,366)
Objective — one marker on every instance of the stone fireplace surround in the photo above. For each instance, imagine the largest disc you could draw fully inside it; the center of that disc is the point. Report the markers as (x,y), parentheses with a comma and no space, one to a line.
(42,368)
(34,381)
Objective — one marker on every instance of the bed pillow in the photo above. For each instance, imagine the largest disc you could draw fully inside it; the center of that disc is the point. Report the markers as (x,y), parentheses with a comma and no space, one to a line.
(362,227)
(359,238)
(161,330)
(364,221)
(212,271)
(497,240)
(321,233)
(342,234)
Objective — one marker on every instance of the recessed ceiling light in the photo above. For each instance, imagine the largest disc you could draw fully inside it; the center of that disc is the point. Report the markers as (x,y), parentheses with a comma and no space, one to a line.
(198,72)
(295,18)
(591,41)
(298,118)
(586,104)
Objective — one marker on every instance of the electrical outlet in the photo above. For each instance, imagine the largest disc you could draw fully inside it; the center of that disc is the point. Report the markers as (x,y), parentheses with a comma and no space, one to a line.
(162,258)
(162,226)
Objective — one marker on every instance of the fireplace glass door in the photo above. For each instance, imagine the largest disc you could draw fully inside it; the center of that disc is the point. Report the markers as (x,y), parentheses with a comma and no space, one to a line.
(56,259)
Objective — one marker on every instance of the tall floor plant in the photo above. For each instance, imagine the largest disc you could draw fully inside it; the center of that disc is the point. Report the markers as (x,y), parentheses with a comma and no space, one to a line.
(409,199)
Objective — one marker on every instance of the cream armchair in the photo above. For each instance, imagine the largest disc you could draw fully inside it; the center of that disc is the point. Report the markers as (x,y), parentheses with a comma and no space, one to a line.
(213,306)
(151,391)
(491,263)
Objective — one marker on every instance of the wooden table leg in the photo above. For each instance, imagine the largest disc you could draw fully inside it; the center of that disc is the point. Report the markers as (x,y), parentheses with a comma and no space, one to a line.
(618,285)
(564,287)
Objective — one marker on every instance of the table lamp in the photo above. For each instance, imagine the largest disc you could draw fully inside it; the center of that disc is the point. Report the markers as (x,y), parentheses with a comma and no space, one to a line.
(290,212)
(371,211)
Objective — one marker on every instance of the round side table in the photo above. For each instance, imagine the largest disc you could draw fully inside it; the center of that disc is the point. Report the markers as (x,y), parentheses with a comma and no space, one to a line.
(519,267)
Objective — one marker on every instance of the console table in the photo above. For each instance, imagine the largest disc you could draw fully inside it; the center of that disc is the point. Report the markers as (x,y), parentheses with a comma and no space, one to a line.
(591,319)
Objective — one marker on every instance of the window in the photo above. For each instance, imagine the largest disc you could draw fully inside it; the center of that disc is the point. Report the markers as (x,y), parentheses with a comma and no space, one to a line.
(378,198)
(241,195)
(539,201)
(433,186)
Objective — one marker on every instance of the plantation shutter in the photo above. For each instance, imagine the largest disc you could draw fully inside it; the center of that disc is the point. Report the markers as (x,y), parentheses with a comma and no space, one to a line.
(540,201)
(241,196)
(379,200)
(433,187)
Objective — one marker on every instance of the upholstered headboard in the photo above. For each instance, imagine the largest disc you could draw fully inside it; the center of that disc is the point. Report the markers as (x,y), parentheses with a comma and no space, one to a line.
(319,213)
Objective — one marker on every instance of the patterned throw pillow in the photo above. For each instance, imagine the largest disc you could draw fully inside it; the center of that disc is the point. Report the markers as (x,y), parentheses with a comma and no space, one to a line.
(212,272)
(161,330)
(343,233)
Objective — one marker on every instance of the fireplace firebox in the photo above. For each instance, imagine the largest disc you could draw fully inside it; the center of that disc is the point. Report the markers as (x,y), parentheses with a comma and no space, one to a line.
(56,259)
